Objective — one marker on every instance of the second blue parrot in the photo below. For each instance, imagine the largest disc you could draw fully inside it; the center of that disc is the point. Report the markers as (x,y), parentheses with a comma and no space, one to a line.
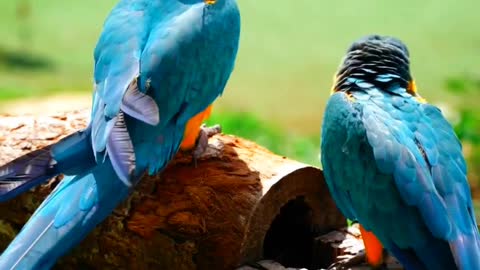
(393,163)
(159,65)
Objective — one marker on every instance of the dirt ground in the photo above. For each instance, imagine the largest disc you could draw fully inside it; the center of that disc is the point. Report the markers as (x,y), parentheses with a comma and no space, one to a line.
(46,105)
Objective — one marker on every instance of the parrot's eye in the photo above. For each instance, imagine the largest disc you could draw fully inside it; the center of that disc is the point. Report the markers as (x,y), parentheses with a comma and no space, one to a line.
(210,2)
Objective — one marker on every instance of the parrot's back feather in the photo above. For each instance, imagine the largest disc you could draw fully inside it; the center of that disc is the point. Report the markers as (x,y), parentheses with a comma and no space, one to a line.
(406,178)
(117,56)
(139,105)
(36,167)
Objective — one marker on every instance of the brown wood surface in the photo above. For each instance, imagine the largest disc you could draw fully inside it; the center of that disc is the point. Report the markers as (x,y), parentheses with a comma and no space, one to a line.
(240,203)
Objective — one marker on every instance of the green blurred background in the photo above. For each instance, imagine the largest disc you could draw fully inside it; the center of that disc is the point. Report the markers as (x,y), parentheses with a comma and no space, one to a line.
(288,54)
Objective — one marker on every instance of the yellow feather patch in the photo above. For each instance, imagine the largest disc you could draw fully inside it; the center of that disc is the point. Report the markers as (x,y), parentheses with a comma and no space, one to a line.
(412,89)
(350,97)
(192,130)
(333,90)
(420,99)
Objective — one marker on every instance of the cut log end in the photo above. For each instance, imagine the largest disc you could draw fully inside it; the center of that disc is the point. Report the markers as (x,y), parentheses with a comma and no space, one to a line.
(240,204)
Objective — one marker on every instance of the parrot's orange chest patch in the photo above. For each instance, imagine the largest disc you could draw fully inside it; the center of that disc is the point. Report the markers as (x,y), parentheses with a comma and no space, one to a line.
(192,129)
(373,248)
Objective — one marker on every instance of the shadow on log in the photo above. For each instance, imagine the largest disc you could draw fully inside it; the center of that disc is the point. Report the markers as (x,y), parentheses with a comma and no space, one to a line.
(240,204)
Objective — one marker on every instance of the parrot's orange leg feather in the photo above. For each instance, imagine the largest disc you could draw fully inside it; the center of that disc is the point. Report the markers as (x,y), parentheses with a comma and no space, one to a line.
(373,247)
(193,129)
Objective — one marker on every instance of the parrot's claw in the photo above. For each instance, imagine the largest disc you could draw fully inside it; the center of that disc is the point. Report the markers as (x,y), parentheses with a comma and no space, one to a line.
(202,141)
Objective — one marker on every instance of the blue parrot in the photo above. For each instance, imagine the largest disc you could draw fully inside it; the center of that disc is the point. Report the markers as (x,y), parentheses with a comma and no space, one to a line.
(159,65)
(394,164)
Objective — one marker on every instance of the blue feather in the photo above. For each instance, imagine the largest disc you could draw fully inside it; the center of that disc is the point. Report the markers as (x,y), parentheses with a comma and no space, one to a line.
(140,106)
(417,201)
(121,152)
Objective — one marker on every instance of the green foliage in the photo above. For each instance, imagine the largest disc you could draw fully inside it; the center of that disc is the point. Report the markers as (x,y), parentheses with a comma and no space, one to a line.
(456,85)
(10,93)
(468,125)
(463,85)
(468,128)
(282,142)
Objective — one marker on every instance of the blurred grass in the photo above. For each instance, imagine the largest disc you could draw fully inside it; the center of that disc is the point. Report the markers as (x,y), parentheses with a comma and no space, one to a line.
(289,50)
(282,142)
(466,122)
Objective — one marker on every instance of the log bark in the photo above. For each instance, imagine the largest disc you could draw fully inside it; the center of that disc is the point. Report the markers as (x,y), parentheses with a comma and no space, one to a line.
(240,204)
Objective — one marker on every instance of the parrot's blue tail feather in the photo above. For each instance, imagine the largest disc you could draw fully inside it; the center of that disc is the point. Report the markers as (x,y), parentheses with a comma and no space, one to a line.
(26,172)
(461,253)
(466,249)
(407,258)
(73,209)
(434,254)
(69,156)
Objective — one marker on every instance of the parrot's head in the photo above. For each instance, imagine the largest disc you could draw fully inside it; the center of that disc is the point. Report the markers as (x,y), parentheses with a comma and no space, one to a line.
(211,7)
(375,61)
(207,2)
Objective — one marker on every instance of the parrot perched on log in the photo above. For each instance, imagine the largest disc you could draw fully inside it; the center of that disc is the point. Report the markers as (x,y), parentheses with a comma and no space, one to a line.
(394,164)
(159,65)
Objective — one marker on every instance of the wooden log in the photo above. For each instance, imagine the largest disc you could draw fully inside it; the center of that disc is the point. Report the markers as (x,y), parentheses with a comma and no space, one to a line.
(241,203)
(343,246)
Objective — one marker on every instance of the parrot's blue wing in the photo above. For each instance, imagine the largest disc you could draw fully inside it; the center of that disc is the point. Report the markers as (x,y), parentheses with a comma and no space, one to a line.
(336,138)
(443,152)
(81,201)
(190,88)
(117,66)
(415,196)
(414,143)
(192,85)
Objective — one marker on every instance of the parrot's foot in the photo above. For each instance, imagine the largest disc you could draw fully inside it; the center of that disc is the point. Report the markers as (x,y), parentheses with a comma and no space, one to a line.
(202,141)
